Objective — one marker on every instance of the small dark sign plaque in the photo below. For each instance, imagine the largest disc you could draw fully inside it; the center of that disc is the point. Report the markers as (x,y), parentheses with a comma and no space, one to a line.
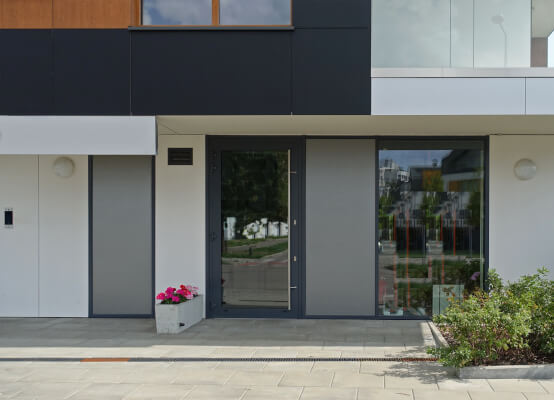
(179,156)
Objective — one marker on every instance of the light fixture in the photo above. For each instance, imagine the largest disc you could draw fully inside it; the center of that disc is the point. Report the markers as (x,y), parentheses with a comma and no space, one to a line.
(525,169)
(64,167)
(499,20)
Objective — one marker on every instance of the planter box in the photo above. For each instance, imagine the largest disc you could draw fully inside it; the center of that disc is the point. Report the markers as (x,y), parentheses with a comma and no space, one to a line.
(175,318)
(537,371)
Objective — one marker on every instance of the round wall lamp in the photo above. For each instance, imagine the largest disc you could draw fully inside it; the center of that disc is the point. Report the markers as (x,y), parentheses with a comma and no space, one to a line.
(525,169)
(64,167)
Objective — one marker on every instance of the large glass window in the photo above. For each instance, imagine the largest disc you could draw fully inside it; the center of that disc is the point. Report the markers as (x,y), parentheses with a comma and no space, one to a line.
(216,12)
(431,224)
(255,214)
(462,33)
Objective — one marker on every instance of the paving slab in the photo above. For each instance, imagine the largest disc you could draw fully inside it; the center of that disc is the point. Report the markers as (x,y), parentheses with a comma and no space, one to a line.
(379,394)
(440,395)
(516,385)
(496,396)
(317,393)
(253,378)
(300,379)
(204,377)
(547,384)
(411,382)
(272,393)
(357,380)
(539,396)
(475,385)
(157,391)
(216,392)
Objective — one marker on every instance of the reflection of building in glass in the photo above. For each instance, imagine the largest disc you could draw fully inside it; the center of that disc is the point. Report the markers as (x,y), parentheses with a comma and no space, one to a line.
(429,227)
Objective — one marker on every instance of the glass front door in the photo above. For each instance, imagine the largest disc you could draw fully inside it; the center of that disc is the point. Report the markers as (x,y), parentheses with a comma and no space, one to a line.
(254,201)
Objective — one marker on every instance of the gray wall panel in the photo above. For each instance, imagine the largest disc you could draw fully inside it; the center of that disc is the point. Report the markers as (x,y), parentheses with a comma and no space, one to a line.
(122,235)
(340,228)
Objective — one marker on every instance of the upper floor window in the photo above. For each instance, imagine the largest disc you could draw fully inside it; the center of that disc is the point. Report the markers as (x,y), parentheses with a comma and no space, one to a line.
(463,33)
(216,12)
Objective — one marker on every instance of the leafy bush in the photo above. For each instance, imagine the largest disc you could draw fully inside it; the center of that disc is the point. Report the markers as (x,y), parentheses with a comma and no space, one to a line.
(512,323)
(540,292)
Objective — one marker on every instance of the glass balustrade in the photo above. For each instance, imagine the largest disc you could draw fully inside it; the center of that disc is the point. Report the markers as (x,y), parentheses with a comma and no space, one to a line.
(462,33)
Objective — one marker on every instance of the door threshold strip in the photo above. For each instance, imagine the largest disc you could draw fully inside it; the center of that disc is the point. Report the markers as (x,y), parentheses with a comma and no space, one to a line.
(212,359)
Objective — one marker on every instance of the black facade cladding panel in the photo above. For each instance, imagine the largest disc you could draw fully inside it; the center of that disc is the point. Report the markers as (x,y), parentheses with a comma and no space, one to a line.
(331,13)
(331,70)
(91,71)
(26,72)
(210,72)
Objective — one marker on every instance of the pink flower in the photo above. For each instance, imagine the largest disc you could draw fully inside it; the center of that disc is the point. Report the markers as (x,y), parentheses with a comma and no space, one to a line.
(161,296)
(169,290)
(189,296)
(175,299)
(193,289)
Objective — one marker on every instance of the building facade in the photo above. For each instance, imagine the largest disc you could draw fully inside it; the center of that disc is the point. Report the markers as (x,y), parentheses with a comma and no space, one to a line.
(293,159)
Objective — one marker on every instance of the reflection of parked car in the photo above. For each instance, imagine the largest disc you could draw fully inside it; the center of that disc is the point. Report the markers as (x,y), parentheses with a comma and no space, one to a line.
(387,246)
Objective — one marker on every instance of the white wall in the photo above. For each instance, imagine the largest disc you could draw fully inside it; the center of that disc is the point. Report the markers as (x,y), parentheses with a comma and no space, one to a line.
(539,96)
(44,263)
(180,215)
(447,96)
(19,245)
(118,135)
(521,212)
(63,240)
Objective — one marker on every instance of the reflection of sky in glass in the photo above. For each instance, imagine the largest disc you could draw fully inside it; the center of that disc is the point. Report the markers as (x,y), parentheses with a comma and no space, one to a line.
(443,33)
(177,12)
(232,12)
(414,158)
(411,33)
(254,12)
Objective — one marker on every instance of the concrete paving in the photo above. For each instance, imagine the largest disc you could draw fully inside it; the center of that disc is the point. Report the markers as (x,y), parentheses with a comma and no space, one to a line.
(236,338)
(240,380)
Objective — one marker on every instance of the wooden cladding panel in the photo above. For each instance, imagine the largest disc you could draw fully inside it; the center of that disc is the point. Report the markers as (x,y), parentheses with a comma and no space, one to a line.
(91,14)
(26,14)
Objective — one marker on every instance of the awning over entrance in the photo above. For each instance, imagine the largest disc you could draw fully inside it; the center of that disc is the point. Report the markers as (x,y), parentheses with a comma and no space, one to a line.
(95,135)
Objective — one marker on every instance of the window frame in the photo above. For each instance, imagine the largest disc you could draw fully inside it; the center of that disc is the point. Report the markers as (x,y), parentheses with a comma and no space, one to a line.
(215,19)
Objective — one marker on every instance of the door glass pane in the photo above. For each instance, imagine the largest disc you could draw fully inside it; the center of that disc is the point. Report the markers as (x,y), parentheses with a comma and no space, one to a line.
(254,12)
(177,12)
(255,234)
(430,224)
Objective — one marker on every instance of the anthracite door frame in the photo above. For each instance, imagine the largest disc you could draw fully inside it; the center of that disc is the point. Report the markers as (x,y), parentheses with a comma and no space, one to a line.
(214,146)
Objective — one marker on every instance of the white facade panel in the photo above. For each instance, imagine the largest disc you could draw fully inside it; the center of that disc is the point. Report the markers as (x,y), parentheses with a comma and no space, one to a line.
(540,96)
(521,212)
(181,215)
(447,96)
(63,239)
(19,244)
(113,135)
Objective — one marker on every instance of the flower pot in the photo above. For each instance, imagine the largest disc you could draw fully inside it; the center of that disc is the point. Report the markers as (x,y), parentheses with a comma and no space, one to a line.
(175,318)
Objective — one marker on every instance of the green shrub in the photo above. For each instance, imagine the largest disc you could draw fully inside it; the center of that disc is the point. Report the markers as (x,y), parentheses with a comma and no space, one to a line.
(540,291)
(510,323)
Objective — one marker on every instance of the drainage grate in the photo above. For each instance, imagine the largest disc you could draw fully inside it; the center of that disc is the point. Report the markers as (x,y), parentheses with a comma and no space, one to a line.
(221,359)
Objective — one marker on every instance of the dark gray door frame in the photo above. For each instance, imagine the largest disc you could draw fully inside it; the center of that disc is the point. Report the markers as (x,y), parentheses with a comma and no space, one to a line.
(214,146)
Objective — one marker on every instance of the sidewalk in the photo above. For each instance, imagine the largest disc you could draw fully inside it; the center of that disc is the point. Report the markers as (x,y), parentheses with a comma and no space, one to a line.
(244,378)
